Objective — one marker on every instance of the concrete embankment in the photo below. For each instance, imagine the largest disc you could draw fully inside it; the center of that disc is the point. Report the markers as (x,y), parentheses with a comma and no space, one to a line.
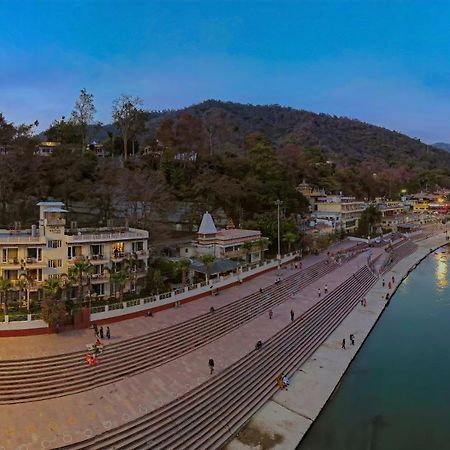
(283,421)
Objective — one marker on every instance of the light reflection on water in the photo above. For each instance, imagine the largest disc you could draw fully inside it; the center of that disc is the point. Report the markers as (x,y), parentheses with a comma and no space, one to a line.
(441,271)
(396,393)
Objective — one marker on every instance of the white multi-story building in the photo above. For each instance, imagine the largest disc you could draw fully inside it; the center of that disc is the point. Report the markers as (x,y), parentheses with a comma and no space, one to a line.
(49,250)
(339,212)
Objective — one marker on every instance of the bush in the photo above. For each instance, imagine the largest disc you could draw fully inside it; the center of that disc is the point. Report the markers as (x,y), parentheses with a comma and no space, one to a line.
(53,311)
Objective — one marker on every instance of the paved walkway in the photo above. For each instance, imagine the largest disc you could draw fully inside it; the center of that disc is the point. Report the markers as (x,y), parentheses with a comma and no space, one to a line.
(70,341)
(284,420)
(51,423)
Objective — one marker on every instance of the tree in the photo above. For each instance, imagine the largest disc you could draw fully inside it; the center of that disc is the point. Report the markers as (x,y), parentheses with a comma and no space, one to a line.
(369,220)
(24,282)
(208,260)
(52,287)
(119,279)
(157,281)
(83,114)
(291,239)
(247,247)
(53,311)
(5,288)
(79,272)
(263,244)
(182,266)
(127,116)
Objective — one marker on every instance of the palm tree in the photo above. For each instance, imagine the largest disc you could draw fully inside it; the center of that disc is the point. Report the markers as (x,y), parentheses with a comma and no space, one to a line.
(182,266)
(119,279)
(247,246)
(80,270)
(262,244)
(208,260)
(291,239)
(24,282)
(6,286)
(52,287)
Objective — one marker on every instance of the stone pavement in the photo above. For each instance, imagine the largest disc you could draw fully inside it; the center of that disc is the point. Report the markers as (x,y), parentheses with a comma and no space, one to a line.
(283,421)
(54,422)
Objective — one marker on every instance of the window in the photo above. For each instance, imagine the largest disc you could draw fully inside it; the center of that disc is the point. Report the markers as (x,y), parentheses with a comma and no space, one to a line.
(98,289)
(34,254)
(54,263)
(10,255)
(138,246)
(74,251)
(96,250)
(54,244)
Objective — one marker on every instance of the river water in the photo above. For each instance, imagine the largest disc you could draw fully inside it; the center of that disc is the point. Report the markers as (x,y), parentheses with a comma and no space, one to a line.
(396,393)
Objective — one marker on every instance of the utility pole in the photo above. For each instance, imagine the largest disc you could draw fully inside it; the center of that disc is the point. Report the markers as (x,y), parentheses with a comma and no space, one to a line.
(278,203)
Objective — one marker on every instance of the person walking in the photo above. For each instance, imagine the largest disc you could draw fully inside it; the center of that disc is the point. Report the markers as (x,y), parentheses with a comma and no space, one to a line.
(285,379)
(352,339)
(94,326)
(319,292)
(270,314)
(211,366)
(393,279)
(101,333)
(343,344)
(108,333)
(326,289)
(383,283)
(292,315)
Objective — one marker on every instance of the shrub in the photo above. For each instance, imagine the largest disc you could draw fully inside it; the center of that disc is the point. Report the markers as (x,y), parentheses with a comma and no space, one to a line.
(53,311)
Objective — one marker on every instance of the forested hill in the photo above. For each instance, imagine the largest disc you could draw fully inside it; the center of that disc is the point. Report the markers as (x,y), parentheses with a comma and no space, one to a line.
(341,139)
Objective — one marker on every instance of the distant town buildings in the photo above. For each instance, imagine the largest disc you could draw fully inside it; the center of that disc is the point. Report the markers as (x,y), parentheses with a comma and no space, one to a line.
(330,213)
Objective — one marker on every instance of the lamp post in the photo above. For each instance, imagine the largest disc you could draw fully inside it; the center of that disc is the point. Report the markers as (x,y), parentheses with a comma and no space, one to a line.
(278,203)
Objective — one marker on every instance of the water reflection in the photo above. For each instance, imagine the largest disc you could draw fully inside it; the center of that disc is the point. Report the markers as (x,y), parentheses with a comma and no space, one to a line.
(441,271)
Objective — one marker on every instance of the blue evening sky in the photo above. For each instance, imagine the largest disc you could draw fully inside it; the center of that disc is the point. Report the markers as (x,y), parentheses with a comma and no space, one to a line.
(384,62)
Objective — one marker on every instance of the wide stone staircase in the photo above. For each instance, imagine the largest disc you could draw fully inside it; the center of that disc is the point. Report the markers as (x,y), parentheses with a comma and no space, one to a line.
(60,375)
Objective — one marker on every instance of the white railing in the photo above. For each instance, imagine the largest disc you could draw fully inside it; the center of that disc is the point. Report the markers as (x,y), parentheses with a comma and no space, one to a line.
(18,239)
(106,236)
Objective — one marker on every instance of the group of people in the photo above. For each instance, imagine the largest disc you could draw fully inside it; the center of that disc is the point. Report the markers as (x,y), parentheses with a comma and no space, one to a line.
(352,341)
(99,333)
(94,350)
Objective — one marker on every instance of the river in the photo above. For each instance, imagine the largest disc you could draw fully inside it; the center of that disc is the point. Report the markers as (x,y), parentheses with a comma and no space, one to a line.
(396,393)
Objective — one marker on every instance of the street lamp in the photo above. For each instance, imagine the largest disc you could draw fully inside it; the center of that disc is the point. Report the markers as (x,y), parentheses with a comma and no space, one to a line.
(278,203)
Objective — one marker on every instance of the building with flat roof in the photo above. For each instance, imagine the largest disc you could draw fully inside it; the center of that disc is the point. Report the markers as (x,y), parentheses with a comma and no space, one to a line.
(50,250)
(338,211)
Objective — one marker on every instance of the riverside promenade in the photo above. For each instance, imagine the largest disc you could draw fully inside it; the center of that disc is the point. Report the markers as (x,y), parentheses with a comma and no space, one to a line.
(283,421)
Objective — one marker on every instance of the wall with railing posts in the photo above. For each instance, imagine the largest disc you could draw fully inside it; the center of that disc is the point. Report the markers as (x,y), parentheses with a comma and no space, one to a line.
(181,295)
(32,322)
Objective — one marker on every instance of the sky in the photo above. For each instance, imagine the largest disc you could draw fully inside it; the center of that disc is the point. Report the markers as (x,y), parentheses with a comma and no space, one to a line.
(383,62)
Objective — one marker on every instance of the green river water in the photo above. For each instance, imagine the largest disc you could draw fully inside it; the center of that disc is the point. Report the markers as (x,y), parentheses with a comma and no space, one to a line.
(396,393)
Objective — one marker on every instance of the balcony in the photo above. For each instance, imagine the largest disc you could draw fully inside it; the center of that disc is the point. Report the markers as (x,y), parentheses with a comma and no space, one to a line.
(97,259)
(13,262)
(99,278)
